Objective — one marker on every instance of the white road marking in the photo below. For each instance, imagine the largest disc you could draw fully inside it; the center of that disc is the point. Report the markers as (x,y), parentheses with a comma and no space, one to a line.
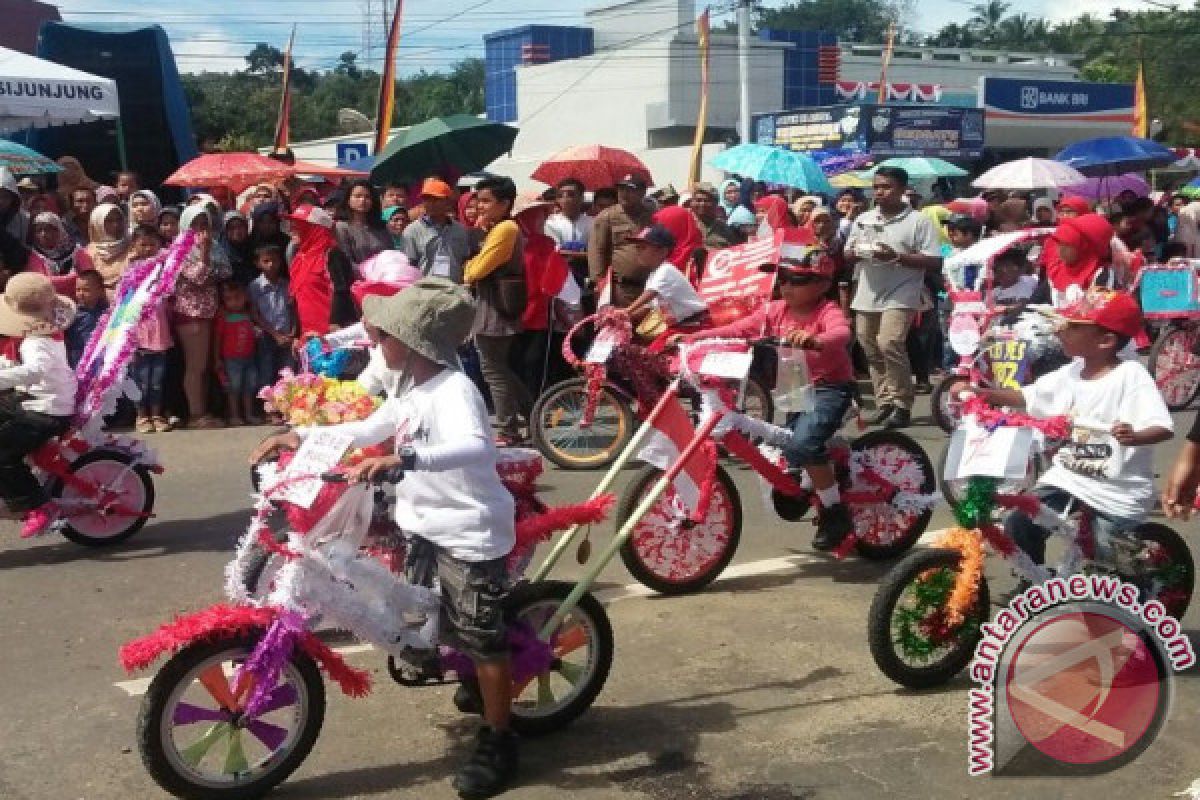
(138,686)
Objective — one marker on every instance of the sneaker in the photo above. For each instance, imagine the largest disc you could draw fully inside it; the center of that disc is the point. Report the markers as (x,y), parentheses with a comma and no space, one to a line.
(833,525)
(900,418)
(38,520)
(144,425)
(880,414)
(491,767)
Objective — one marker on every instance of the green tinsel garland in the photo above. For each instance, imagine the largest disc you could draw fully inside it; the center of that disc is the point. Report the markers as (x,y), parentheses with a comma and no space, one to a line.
(977,504)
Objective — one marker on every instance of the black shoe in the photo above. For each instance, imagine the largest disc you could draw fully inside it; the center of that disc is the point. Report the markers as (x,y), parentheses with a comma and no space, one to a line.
(901,418)
(833,525)
(467,698)
(880,415)
(491,767)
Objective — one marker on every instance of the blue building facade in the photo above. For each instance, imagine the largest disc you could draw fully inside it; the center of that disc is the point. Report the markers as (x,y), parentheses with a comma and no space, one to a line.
(810,67)
(505,50)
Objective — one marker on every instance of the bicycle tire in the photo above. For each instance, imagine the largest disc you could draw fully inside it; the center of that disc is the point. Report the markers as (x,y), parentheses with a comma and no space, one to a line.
(595,458)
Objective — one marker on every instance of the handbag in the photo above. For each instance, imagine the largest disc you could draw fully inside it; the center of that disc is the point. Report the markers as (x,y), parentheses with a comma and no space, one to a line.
(511,295)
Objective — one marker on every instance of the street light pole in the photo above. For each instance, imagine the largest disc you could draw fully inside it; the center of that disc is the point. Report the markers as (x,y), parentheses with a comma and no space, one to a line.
(743,21)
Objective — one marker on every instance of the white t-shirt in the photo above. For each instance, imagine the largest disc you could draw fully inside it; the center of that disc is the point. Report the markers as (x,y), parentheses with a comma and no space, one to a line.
(1019,292)
(44,375)
(467,511)
(1125,394)
(676,297)
(562,229)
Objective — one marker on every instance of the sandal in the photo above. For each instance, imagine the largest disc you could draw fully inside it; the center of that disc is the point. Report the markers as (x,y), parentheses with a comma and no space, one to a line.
(205,423)
(162,424)
(144,425)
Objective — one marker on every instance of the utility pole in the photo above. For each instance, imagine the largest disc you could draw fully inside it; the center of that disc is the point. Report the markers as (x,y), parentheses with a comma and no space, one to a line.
(743,21)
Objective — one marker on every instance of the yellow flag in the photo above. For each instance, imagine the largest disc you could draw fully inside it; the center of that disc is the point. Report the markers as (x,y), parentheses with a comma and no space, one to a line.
(1141,117)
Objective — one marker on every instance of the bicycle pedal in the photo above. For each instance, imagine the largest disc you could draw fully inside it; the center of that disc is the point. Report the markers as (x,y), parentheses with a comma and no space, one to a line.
(425,673)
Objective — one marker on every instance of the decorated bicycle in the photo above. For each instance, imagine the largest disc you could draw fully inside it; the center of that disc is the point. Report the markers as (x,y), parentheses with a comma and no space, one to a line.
(586,422)
(924,622)
(102,483)
(1170,295)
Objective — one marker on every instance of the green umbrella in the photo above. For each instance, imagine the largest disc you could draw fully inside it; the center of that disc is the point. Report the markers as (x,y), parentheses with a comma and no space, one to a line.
(924,167)
(461,143)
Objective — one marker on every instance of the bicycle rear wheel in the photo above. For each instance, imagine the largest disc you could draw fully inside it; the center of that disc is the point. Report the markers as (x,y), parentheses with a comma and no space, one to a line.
(1175,367)
(558,433)
(112,502)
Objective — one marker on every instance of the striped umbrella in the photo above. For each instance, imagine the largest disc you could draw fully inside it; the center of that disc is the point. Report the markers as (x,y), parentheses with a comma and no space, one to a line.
(21,160)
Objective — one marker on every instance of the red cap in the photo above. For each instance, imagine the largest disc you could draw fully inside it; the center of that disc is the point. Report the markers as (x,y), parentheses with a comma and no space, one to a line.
(312,215)
(1114,311)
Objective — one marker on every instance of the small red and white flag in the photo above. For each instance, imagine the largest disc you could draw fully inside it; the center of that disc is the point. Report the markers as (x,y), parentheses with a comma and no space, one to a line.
(673,431)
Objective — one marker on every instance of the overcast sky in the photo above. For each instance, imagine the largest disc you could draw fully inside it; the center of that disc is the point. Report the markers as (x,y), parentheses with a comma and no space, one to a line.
(435,33)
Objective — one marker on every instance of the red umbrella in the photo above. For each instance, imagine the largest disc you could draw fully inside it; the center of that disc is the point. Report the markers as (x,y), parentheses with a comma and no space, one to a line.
(233,170)
(597,166)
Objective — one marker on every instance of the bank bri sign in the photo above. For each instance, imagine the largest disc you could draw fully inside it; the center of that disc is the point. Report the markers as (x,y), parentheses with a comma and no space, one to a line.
(1067,101)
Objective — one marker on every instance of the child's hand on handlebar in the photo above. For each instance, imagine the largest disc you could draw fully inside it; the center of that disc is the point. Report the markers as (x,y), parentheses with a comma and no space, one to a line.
(370,468)
(272,444)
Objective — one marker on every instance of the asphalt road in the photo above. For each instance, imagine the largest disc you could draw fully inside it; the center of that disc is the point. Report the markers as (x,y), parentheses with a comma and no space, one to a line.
(760,687)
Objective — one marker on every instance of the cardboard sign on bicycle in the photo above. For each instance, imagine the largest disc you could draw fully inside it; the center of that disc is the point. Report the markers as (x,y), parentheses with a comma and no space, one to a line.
(321,451)
(978,452)
(733,285)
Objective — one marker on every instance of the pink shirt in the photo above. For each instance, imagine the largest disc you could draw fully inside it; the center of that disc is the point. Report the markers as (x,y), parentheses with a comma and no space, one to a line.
(154,332)
(829,365)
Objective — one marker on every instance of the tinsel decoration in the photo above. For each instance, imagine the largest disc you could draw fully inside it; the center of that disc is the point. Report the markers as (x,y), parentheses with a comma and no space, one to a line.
(268,658)
(970,569)
(209,624)
(977,504)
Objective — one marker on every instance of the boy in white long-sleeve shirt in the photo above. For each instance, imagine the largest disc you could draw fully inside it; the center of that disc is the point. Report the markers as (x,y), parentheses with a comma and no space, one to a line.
(37,391)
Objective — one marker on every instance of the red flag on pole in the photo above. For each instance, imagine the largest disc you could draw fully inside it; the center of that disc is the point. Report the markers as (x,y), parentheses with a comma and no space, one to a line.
(282,134)
(387,83)
(673,430)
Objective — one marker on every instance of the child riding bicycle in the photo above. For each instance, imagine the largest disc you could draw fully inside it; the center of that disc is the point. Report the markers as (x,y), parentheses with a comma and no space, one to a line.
(806,318)
(1112,475)
(451,500)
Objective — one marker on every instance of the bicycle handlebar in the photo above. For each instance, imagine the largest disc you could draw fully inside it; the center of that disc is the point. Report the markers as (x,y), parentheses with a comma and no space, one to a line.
(389,475)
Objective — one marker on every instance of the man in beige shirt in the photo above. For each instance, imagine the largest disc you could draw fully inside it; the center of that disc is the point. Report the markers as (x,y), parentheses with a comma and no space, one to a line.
(612,242)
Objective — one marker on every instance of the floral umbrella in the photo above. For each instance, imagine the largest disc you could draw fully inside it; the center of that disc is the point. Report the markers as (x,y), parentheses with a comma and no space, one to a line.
(21,160)
(232,170)
(596,166)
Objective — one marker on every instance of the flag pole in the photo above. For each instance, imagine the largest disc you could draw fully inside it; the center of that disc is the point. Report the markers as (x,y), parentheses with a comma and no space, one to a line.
(386,104)
(282,132)
(885,62)
(702,28)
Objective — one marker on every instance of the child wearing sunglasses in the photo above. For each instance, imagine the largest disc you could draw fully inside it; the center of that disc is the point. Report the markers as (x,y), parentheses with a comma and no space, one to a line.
(805,317)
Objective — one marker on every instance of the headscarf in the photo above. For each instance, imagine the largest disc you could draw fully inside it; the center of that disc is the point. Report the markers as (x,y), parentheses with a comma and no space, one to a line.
(1091,236)
(65,248)
(776,210)
(387,215)
(71,178)
(725,204)
(463,201)
(257,237)
(688,238)
(1187,231)
(241,254)
(800,202)
(1077,204)
(108,254)
(1044,202)
(155,204)
(740,217)
(107,194)
(938,216)
(309,274)
(974,207)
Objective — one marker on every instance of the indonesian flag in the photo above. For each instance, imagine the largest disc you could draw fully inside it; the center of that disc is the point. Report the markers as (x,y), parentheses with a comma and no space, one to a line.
(673,431)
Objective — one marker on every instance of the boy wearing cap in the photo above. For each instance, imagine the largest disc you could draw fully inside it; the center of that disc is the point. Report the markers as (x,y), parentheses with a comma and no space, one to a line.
(1115,480)
(451,501)
(37,394)
(806,318)
(666,288)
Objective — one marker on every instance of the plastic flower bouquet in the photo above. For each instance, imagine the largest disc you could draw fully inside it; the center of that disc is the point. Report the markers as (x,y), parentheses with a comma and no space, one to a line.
(307,399)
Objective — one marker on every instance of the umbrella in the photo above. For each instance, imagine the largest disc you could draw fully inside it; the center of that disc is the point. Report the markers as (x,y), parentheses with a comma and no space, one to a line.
(922,167)
(310,168)
(1029,173)
(773,165)
(20,160)
(1116,155)
(593,164)
(851,180)
(1188,158)
(985,250)
(1105,187)
(233,170)
(460,142)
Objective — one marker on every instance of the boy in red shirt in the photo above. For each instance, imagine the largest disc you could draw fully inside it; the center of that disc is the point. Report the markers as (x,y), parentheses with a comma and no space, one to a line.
(806,318)
(233,353)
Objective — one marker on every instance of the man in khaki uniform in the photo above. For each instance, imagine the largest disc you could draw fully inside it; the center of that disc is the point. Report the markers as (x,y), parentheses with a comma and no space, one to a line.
(612,242)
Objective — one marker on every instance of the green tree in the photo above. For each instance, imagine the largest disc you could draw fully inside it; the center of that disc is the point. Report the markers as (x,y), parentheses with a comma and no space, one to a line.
(264,58)
(863,21)
(987,19)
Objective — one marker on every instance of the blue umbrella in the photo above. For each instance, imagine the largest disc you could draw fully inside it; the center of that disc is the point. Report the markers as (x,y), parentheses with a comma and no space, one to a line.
(20,160)
(774,165)
(1116,155)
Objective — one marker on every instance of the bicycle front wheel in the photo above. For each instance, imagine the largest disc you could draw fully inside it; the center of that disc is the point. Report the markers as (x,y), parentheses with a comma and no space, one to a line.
(556,425)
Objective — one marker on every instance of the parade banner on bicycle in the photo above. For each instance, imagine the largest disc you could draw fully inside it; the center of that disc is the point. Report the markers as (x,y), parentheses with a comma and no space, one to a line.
(734,283)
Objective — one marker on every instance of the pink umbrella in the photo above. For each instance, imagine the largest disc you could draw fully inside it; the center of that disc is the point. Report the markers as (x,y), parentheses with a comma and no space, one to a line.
(594,165)
(1106,188)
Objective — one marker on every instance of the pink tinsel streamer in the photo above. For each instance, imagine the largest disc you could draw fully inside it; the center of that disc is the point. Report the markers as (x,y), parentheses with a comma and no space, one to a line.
(212,623)
(992,418)
(89,398)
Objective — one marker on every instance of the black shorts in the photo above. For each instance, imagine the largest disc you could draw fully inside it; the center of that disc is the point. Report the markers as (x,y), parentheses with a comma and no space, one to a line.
(473,595)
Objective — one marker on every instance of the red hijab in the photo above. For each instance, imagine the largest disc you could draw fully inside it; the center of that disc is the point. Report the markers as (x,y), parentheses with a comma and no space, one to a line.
(463,201)
(776,209)
(688,239)
(1090,235)
(545,269)
(309,273)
